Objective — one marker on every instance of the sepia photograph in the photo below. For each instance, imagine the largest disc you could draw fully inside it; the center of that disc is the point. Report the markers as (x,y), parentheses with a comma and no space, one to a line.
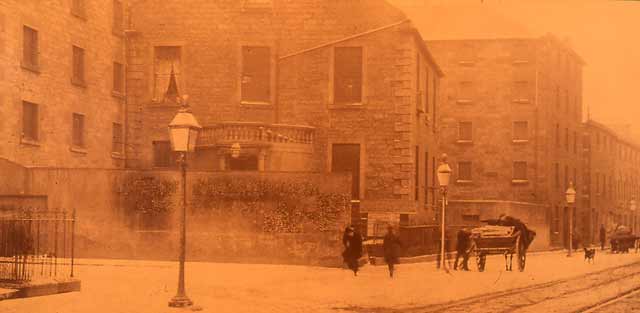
(319,156)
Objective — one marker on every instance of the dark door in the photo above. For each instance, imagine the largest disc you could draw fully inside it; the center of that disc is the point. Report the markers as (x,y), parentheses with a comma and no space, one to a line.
(244,163)
(346,158)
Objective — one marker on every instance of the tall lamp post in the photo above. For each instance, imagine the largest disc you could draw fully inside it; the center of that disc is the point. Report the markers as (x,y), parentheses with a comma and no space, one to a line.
(444,175)
(571,199)
(632,208)
(183,133)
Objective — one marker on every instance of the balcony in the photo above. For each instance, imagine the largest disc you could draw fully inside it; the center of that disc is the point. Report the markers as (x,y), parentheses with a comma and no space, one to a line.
(254,133)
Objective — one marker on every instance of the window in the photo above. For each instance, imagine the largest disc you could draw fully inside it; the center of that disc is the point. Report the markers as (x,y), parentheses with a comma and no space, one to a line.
(163,156)
(258,4)
(426,177)
(471,217)
(464,171)
(519,170)
(426,90)
(557,174)
(78,8)
(417,174)
(29,121)
(521,89)
(467,55)
(118,77)
(118,18)
(77,136)
(347,81)
(256,74)
(78,66)
(465,91)
(566,177)
(575,142)
(404,219)
(465,131)
(167,63)
(30,48)
(117,142)
(566,139)
(520,131)
(520,53)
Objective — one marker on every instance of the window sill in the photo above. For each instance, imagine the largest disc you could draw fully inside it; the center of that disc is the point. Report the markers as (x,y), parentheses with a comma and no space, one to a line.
(117,155)
(464,142)
(467,63)
(118,94)
(79,14)
(464,101)
(30,67)
(520,100)
(30,142)
(77,149)
(257,104)
(464,181)
(117,32)
(78,82)
(520,141)
(519,181)
(346,106)
(520,62)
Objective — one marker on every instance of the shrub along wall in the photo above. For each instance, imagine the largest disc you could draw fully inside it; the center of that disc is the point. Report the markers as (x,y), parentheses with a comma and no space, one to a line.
(292,218)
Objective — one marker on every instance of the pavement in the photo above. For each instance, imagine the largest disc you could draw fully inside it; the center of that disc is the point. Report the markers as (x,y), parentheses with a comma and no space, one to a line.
(146,286)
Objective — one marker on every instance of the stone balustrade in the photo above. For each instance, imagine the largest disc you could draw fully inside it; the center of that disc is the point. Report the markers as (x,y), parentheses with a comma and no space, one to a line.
(254,132)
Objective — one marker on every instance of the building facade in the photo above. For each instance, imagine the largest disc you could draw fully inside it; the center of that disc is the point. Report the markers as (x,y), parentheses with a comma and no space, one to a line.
(62,83)
(310,86)
(511,125)
(611,180)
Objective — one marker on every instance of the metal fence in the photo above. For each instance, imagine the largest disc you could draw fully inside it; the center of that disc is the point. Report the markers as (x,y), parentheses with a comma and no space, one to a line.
(36,244)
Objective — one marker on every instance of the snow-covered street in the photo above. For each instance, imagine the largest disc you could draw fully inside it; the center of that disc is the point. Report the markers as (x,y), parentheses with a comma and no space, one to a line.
(146,286)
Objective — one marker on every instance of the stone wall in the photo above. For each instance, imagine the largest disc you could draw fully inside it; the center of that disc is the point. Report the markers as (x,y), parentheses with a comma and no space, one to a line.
(107,228)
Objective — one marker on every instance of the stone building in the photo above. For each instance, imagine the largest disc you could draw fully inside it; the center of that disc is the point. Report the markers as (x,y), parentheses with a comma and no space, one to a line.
(311,86)
(611,184)
(510,122)
(62,83)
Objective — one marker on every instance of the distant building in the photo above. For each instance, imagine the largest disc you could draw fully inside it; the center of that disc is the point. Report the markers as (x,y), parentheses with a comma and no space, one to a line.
(511,125)
(612,184)
(62,83)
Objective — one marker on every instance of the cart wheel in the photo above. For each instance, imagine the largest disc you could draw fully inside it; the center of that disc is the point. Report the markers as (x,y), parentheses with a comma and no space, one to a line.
(522,260)
(481,260)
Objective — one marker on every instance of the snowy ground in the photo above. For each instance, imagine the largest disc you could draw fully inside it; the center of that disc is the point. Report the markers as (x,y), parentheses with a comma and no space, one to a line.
(145,286)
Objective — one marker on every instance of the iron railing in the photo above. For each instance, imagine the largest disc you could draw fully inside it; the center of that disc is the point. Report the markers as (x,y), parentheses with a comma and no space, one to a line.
(36,244)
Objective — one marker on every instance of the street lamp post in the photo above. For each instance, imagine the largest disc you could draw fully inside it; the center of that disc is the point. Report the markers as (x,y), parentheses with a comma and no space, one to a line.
(632,208)
(183,133)
(444,175)
(571,199)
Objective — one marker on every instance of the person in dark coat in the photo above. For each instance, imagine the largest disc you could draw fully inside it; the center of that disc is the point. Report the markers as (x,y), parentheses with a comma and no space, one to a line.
(353,249)
(603,236)
(462,249)
(391,245)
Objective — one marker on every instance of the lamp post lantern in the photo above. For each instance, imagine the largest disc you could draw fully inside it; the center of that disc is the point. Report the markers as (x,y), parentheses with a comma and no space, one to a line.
(444,175)
(571,199)
(183,133)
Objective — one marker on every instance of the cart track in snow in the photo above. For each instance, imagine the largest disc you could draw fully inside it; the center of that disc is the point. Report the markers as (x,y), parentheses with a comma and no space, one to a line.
(579,294)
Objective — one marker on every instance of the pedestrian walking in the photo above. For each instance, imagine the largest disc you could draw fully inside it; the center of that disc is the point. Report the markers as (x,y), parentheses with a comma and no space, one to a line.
(462,249)
(353,249)
(603,236)
(391,245)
